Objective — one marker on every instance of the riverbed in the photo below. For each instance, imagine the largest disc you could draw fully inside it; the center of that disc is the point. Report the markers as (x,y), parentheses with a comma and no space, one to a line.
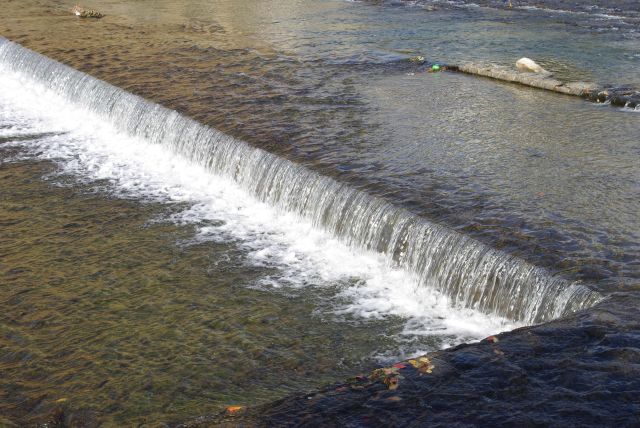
(293,200)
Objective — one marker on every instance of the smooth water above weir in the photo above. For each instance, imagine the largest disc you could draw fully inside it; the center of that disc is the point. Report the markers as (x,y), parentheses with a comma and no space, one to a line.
(469,273)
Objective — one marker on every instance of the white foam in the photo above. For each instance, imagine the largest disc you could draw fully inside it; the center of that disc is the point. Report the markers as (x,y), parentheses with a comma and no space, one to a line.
(91,149)
(571,12)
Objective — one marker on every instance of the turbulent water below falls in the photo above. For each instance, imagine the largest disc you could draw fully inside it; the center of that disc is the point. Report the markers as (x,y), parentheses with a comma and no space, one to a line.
(184,269)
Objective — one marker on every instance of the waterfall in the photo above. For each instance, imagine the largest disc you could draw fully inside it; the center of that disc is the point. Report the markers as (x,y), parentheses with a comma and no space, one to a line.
(472,274)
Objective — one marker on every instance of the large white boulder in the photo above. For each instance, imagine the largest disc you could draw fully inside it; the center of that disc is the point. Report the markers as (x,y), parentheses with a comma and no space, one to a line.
(529,66)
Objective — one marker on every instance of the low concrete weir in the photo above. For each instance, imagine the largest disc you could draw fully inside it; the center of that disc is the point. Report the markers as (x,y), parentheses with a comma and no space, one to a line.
(471,274)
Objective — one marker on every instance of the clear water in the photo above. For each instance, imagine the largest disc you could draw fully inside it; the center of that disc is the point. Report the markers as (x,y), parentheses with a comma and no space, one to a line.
(182,291)
(142,287)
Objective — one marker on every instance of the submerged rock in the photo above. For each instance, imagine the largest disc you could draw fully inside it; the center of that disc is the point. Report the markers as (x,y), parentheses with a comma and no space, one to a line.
(55,419)
(84,13)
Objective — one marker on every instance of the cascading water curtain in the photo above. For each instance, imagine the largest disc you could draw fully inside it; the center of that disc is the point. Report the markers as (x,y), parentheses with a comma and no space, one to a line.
(472,274)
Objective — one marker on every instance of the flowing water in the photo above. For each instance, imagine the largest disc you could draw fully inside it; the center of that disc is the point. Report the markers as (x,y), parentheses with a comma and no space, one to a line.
(294,200)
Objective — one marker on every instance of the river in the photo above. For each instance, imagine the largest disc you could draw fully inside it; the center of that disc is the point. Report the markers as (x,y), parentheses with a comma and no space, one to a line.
(272,197)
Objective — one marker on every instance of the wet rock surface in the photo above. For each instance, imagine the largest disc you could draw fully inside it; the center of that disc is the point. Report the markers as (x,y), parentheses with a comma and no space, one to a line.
(580,371)
(616,96)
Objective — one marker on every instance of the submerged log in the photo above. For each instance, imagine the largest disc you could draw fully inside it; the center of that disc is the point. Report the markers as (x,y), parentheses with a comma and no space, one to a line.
(616,96)
(535,80)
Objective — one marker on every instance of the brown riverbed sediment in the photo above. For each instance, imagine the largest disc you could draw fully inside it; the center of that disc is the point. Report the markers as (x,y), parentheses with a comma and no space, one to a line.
(151,67)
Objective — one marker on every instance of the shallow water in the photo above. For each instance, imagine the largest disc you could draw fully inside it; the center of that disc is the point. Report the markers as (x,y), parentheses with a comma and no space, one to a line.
(321,83)
(140,288)
(122,316)
(228,300)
